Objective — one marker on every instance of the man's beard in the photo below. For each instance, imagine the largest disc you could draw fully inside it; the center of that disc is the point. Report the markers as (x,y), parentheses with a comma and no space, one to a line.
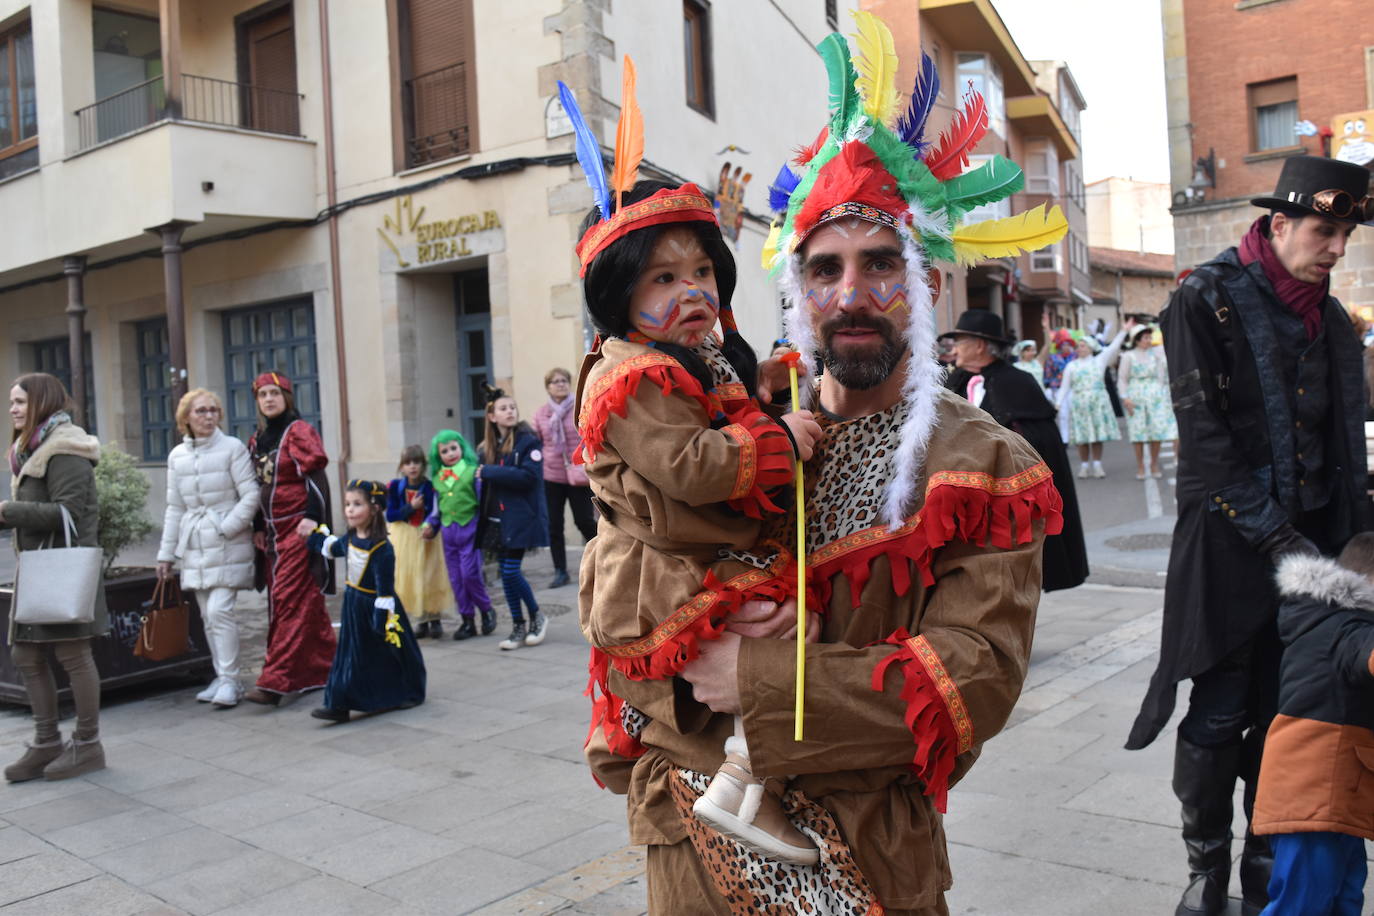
(861,372)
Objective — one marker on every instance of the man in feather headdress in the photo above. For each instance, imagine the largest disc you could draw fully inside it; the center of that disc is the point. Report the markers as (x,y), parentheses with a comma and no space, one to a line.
(1268,389)
(924,529)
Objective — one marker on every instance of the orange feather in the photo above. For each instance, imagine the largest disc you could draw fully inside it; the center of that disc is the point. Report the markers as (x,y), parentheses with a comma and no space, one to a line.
(629,136)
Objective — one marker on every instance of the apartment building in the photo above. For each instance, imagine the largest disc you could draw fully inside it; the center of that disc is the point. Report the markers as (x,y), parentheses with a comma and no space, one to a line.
(1241,76)
(378,198)
(1033,114)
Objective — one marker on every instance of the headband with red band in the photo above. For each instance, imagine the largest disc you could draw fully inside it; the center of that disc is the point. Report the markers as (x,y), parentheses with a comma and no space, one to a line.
(671,205)
(271,378)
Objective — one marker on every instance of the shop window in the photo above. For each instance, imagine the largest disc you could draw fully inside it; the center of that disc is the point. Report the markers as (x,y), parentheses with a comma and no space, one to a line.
(1042,167)
(986,76)
(472,300)
(438,79)
(54,356)
(1273,113)
(160,432)
(280,337)
(696,41)
(18,103)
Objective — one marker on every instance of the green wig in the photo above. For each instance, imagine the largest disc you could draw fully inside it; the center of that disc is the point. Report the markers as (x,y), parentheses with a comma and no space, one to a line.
(448,435)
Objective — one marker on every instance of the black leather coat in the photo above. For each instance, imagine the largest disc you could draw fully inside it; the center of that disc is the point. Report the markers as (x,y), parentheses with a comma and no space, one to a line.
(1234,394)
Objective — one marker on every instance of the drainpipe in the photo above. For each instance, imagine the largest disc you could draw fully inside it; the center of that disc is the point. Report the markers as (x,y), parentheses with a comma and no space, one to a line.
(332,186)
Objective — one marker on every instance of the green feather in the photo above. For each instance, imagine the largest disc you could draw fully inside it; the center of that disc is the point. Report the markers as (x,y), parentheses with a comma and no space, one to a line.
(844,96)
(996,179)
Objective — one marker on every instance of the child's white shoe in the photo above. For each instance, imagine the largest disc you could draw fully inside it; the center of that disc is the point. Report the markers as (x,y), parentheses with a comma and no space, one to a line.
(749,811)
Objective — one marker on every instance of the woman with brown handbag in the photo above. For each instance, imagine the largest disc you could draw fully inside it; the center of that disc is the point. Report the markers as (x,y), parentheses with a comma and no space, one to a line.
(212,496)
(53,466)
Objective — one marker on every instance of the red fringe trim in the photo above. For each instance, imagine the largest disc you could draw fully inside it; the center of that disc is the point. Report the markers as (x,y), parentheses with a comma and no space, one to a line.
(596,412)
(927,718)
(670,655)
(774,463)
(951,512)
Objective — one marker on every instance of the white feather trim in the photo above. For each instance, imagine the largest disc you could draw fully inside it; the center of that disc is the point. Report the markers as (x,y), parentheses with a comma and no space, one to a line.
(1324,579)
(798,323)
(921,388)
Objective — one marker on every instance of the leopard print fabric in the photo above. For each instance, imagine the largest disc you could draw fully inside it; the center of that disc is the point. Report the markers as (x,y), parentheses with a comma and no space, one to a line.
(752,885)
(632,721)
(721,371)
(845,480)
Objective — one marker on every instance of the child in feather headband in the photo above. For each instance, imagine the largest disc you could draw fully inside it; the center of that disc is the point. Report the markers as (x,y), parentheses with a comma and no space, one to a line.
(684,463)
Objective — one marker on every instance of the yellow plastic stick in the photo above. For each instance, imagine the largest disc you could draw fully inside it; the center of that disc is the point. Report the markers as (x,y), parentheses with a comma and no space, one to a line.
(798,715)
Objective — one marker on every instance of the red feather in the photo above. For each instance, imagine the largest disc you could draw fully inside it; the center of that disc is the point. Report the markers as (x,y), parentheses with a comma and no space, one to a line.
(949,158)
(806,153)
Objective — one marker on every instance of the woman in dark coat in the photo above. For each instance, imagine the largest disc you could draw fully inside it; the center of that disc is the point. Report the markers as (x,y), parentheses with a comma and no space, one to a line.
(53,466)
(512,476)
(290,460)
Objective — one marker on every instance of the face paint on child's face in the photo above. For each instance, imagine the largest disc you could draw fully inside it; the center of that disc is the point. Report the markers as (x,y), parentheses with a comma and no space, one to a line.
(450,452)
(675,299)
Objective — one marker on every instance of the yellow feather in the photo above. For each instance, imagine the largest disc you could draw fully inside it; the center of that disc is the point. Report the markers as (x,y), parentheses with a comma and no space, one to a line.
(877,66)
(629,136)
(770,246)
(1007,238)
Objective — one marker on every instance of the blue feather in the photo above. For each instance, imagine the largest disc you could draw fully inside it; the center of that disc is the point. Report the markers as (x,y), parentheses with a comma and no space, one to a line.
(588,152)
(780,191)
(911,127)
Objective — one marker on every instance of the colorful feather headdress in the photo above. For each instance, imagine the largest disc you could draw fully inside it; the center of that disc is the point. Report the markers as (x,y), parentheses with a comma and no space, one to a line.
(672,205)
(872,161)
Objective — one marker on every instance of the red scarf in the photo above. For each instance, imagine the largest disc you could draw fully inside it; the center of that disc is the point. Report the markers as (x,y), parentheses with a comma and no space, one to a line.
(1305,299)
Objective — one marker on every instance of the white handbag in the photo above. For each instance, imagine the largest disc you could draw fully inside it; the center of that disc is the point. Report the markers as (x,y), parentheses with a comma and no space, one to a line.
(58,584)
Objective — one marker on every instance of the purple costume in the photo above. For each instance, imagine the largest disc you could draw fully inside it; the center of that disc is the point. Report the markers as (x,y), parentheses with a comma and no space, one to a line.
(455,515)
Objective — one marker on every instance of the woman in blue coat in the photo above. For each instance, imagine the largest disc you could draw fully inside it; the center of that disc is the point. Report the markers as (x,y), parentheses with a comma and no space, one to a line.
(512,476)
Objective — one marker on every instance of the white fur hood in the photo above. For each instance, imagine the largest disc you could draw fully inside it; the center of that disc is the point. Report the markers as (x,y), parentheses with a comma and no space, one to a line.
(1323,579)
(66,439)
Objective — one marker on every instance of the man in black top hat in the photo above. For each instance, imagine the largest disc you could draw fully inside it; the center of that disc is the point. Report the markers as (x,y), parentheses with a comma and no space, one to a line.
(985,376)
(1268,389)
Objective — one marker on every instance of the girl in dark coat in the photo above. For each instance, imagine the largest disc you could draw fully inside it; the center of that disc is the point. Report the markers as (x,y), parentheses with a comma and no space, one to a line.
(512,475)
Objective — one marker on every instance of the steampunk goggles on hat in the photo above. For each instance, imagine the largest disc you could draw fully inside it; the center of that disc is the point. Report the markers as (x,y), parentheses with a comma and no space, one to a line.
(1342,204)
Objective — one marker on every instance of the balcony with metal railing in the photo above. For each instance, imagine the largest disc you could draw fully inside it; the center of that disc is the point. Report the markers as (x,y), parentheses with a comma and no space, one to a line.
(437,116)
(203,100)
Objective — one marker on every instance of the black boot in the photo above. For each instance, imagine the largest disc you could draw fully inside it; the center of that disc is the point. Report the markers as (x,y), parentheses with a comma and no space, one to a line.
(1256,863)
(466,630)
(422,630)
(1205,782)
(488,621)
(436,630)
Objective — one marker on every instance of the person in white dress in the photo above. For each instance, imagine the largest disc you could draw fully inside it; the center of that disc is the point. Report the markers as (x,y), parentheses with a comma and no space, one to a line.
(1084,403)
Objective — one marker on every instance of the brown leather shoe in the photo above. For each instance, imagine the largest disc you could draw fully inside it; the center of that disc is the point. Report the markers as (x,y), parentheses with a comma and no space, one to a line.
(748,810)
(36,757)
(262,697)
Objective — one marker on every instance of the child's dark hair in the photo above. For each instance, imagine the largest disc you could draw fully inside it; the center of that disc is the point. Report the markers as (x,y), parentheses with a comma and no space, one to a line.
(611,278)
(1358,555)
(412,453)
(374,494)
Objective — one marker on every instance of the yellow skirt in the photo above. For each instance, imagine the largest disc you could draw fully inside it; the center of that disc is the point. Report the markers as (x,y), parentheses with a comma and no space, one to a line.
(421,579)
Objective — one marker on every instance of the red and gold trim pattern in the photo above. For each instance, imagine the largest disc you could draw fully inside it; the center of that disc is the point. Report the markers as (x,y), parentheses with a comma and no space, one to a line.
(612,392)
(968,506)
(672,205)
(748,459)
(942,730)
(949,691)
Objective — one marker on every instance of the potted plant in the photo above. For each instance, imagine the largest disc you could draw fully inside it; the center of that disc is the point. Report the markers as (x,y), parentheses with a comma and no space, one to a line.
(122,493)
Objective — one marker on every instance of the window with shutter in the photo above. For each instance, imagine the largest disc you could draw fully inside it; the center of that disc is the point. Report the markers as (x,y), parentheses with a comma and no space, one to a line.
(18,103)
(439,96)
(271,92)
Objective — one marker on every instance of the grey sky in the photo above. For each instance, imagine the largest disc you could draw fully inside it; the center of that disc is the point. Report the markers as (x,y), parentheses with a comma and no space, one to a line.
(1116,52)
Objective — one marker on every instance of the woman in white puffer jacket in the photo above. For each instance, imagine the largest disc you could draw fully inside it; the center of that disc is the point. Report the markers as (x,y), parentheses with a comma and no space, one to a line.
(212,496)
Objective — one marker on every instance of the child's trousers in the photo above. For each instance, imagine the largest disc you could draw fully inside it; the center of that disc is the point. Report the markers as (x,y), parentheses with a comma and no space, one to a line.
(1316,874)
(464,561)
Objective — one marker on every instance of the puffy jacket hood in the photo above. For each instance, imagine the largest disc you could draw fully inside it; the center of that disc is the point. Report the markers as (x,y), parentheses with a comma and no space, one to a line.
(1323,579)
(67,439)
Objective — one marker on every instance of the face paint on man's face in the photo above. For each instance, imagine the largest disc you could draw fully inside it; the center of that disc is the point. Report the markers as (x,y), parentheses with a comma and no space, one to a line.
(889,297)
(821,300)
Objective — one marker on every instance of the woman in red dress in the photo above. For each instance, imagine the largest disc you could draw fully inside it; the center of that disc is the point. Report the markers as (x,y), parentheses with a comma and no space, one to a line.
(289,459)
